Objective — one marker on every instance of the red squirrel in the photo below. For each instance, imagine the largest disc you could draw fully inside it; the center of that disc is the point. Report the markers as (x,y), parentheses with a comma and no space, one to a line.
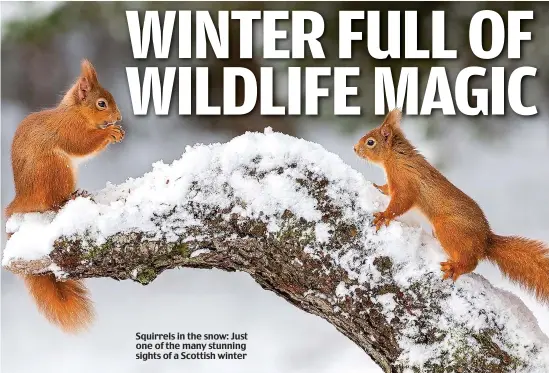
(46,150)
(458,222)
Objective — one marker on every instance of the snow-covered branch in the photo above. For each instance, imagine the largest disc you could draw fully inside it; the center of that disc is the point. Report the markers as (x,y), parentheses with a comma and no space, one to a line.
(298,220)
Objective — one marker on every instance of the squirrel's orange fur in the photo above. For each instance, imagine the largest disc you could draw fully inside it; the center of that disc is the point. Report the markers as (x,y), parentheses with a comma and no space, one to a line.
(458,222)
(45,152)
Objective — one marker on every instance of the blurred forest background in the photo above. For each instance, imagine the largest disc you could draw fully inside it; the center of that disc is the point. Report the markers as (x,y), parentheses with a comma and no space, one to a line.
(499,161)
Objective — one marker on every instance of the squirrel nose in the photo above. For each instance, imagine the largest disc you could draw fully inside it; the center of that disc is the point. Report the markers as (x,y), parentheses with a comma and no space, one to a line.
(355,148)
(119,117)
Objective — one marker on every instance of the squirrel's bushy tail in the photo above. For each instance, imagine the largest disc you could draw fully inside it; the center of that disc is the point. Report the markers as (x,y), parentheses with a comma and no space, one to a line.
(64,303)
(524,261)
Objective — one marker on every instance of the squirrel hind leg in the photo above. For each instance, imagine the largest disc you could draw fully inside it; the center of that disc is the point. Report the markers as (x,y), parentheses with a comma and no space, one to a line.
(461,249)
(56,187)
(23,205)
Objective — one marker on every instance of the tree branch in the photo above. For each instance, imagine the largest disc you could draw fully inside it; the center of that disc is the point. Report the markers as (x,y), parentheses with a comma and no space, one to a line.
(298,220)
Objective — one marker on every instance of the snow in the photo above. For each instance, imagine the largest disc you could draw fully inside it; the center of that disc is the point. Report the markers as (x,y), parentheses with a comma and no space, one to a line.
(322,232)
(389,304)
(132,205)
(341,290)
(196,253)
(214,175)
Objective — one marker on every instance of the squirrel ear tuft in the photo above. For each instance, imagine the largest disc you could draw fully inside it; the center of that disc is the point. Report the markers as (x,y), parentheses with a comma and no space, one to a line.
(393,118)
(88,71)
(87,80)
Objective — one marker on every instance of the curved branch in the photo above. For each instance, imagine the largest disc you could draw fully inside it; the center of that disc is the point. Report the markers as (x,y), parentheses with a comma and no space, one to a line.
(298,220)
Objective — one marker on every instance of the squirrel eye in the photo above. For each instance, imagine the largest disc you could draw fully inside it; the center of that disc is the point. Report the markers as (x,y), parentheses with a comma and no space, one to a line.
(101,104)
(370,142)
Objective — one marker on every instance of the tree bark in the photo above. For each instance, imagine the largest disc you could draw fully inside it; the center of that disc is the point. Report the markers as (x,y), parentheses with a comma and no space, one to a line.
(345,279)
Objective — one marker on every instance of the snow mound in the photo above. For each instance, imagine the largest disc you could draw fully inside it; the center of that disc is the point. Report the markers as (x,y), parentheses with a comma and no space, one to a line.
(223,168)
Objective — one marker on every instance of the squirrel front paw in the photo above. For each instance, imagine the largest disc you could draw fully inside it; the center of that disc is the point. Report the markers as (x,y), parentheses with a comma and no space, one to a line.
(380,219)
(80,193)
(115,132)
(77,193)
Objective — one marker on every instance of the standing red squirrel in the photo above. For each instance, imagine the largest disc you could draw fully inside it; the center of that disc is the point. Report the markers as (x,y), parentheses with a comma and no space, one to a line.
(46,150)
(458,222)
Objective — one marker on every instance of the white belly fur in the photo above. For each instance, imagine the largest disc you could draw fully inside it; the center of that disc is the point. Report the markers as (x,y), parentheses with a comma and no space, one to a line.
(76,161)
(73,161)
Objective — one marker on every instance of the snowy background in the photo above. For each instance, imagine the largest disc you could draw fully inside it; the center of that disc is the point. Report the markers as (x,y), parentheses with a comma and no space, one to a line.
(504,171)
